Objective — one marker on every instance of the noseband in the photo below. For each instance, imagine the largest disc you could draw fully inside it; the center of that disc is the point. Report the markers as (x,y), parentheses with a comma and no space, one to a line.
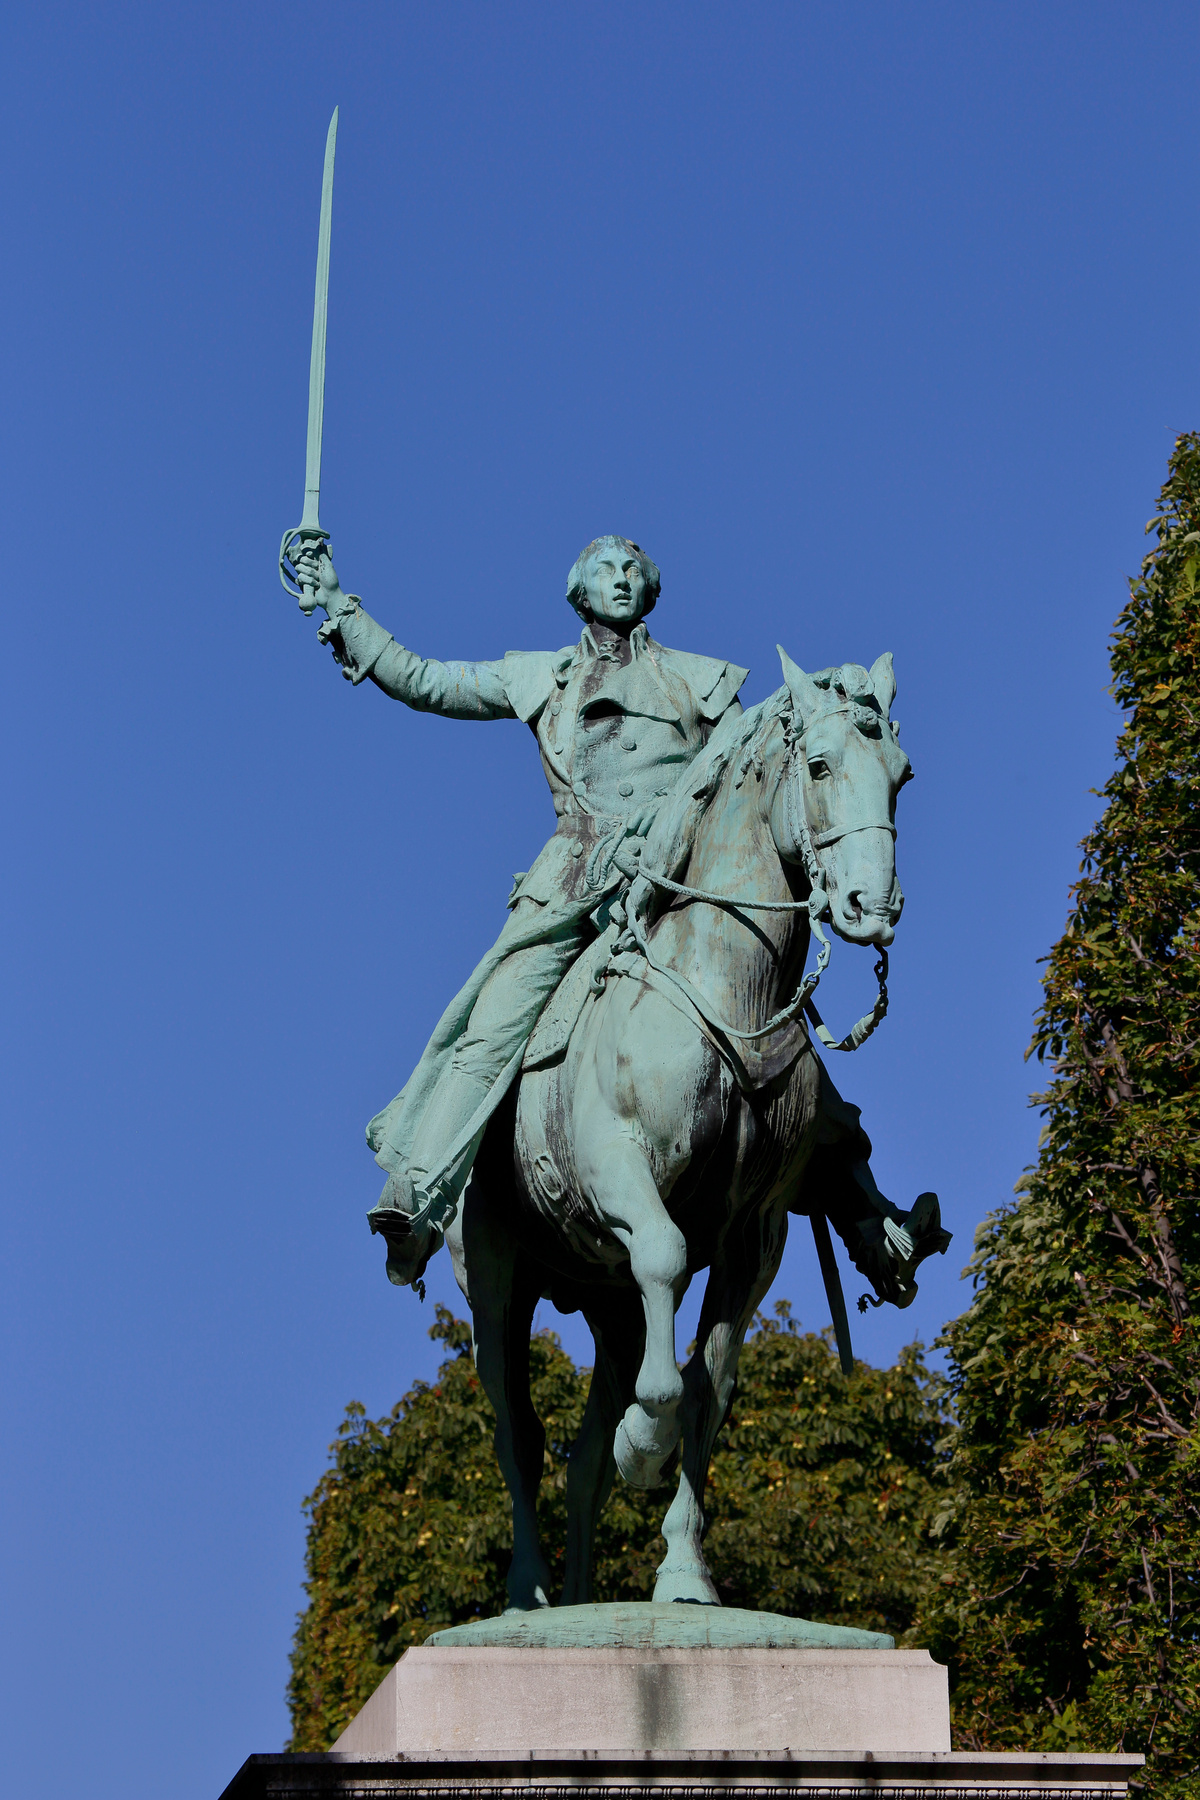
(820,839)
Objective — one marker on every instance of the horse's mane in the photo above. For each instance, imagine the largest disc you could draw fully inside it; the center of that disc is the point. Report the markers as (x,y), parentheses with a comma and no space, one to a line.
(735,746)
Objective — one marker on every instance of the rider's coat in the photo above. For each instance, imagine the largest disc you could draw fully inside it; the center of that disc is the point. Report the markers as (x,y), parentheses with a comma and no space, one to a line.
(614,732)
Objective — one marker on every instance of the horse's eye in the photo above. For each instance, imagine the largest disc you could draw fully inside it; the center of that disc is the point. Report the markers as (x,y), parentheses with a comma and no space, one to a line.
(818,768)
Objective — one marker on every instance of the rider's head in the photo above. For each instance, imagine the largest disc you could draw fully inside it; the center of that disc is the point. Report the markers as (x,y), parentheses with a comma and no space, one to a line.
(614,581)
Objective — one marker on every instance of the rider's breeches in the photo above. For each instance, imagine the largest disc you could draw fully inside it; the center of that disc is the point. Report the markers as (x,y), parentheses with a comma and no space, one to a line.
(497,1031)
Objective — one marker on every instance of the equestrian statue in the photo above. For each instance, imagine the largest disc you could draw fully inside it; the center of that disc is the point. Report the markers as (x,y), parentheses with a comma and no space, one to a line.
(627,1090)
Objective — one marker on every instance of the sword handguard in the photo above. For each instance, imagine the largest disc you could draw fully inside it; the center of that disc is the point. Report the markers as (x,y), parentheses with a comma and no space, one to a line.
(307,535)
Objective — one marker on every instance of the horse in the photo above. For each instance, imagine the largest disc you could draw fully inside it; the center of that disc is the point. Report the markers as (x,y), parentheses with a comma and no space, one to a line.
(676,1131)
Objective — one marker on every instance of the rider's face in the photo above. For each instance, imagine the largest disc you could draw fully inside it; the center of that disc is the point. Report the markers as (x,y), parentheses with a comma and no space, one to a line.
(615,587)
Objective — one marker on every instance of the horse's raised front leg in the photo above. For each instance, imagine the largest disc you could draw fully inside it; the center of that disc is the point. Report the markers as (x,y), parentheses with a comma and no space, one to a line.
(618,1181)
(502,1295)
(745,1267)
(616,1325)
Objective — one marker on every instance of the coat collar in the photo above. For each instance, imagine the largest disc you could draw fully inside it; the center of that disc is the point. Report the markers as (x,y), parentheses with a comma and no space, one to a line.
(640,643)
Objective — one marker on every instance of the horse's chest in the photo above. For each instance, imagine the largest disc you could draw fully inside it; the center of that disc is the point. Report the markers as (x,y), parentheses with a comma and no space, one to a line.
(547,1173)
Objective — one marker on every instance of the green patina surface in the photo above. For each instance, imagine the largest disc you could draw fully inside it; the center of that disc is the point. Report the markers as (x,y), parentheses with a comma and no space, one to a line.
(683,1112)
(672,1110)
(649,1625)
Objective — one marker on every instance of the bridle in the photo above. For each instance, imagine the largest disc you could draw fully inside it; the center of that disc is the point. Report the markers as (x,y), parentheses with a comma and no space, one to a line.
(816,906)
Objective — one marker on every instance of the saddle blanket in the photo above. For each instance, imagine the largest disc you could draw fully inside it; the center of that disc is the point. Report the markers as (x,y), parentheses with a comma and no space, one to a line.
(559,1016)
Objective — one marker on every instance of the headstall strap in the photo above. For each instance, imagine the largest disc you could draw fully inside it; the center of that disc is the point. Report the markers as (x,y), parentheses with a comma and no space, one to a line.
(816,906)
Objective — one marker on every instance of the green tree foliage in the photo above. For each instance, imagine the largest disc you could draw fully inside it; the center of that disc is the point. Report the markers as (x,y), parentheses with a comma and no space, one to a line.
(1071,1609)
(822,1495)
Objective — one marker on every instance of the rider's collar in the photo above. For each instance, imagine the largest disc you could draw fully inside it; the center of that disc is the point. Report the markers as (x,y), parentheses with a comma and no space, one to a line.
(639,642)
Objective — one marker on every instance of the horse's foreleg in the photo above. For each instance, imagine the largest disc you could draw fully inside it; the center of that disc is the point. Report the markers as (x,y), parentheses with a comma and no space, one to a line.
(621,1186)
(503,1296)
(743,1272)
(617,1328)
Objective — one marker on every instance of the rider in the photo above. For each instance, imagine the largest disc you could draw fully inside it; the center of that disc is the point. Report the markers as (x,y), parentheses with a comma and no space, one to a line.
(616,716)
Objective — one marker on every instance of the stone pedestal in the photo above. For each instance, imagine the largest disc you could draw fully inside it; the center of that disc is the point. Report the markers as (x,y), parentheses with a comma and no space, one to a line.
(700,1775)
(688,1704)
(480,1701)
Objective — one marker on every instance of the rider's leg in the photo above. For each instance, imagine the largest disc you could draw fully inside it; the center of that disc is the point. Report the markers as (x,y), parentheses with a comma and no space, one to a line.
(884,1243)
(438,1158)
(501,1021)
(441,1145)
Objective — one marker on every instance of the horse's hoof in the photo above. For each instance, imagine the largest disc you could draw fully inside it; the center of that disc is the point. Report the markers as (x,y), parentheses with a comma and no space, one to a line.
(641,1447)
(691,1586)
(530,1596)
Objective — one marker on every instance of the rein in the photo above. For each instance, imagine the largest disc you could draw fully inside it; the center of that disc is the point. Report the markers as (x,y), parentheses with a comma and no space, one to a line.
(701,1004)
(816,906)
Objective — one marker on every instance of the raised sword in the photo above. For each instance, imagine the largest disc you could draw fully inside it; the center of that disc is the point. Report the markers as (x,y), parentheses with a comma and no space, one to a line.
(309,534)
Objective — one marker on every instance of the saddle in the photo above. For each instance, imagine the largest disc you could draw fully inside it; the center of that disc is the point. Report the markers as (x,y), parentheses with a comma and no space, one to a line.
(560,1015)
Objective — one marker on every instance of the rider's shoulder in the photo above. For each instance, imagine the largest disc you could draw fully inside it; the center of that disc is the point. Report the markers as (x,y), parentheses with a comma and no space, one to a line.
(714,682)
(529,675)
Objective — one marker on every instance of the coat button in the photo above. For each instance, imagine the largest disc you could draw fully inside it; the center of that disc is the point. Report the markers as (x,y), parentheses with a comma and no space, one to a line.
(628,743)
(625,789)
(557,707)
(577,848)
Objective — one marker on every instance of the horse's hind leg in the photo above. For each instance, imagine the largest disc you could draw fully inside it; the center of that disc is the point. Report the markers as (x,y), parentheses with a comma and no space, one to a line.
(616,1325)
(740,1277)
(503,1293)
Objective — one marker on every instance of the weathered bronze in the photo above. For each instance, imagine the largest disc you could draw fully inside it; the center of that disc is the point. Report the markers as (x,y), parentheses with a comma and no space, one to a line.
(628,1081)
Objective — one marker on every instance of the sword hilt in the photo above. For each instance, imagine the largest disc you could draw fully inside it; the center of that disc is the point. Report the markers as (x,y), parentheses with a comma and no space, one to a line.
(309,536)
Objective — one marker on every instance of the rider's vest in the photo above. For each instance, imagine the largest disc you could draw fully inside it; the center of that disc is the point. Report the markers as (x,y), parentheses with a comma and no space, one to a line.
(613,740)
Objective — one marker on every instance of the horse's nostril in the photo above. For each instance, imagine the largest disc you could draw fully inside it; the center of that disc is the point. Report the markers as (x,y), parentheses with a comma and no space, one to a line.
(854,907)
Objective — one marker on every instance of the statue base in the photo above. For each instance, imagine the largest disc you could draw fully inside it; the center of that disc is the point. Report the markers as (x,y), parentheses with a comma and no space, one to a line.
(480,1700)
(669,1702)
(651,1625)
(698,1775)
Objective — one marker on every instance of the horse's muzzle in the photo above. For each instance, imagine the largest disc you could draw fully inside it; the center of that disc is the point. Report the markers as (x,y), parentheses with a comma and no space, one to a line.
(873,923)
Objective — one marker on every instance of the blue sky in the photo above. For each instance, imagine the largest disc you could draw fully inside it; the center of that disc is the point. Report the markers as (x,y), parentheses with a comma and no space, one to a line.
(873,323)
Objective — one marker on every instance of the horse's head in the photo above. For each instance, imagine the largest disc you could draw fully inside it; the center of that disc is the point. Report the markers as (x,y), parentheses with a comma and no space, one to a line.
(846,769)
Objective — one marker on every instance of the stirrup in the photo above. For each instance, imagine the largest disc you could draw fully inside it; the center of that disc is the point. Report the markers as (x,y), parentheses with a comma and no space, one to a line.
(436,1210)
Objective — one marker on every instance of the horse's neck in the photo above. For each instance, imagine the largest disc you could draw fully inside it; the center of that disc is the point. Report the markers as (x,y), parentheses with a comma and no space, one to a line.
(742,961)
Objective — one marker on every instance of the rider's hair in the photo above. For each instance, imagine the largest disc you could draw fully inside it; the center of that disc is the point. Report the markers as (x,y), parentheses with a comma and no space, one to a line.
(576,589)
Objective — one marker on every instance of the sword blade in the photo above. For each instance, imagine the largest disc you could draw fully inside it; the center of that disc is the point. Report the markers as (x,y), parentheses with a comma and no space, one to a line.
(316,374)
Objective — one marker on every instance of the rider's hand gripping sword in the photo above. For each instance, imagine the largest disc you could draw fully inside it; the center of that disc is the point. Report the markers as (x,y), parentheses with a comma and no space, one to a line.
(308,535)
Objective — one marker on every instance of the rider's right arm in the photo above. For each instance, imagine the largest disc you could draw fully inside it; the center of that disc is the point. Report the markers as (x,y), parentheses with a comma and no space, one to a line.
(362,647)
(474,690)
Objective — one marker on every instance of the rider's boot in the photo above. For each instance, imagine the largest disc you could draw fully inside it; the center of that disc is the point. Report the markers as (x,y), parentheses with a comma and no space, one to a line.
(415,1208)
(892,1246)
(412,1223)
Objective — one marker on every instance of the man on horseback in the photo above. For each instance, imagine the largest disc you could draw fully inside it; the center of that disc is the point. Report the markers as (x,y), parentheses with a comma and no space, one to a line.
(617,717)
(672,1126)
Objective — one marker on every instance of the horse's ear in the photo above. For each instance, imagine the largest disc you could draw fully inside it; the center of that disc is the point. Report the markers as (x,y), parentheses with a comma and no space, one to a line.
(883,681)
(806,695)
